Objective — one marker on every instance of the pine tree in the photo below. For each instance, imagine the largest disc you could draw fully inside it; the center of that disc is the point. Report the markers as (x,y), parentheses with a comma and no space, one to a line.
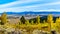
(22,19)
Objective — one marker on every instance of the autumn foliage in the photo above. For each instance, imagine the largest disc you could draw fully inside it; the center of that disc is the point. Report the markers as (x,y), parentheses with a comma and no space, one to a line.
(30,26)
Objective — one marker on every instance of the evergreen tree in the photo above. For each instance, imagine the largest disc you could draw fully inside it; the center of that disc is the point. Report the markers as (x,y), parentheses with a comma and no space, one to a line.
(22,19)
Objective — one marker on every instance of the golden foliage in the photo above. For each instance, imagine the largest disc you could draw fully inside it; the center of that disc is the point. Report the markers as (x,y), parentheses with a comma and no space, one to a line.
(46,26)
(4,18)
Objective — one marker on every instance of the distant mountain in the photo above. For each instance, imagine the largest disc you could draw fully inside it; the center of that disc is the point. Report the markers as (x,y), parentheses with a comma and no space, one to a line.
(31,12)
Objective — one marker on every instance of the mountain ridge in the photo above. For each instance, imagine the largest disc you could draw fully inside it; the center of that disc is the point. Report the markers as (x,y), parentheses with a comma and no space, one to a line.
(32,12)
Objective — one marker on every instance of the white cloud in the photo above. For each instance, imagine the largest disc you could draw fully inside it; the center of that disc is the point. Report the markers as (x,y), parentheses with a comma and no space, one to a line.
(46,4)
(50,10)
(17,3)
(4,7)
(18,9)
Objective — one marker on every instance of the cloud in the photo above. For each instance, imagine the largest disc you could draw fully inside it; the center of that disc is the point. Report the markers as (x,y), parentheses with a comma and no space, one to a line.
(7,7)
(50,10)
(46,4)
(17,3)
(18,9)
(36,7)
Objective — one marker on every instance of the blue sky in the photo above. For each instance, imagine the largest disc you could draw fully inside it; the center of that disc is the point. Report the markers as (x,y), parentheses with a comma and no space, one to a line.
(29,5)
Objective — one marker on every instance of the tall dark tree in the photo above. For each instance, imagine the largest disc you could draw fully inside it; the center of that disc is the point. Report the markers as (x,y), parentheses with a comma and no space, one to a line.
(22,19)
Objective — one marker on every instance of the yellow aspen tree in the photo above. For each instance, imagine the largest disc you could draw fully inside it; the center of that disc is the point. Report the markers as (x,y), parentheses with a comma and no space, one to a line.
(57,21)
(50,21)
(50,18)
(44,21)
(38,19)
(32,22)
(4,18)
(27,22)
(57,24)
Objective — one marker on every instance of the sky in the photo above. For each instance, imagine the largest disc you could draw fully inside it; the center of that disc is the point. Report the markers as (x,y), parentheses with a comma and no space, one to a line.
(29,5)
